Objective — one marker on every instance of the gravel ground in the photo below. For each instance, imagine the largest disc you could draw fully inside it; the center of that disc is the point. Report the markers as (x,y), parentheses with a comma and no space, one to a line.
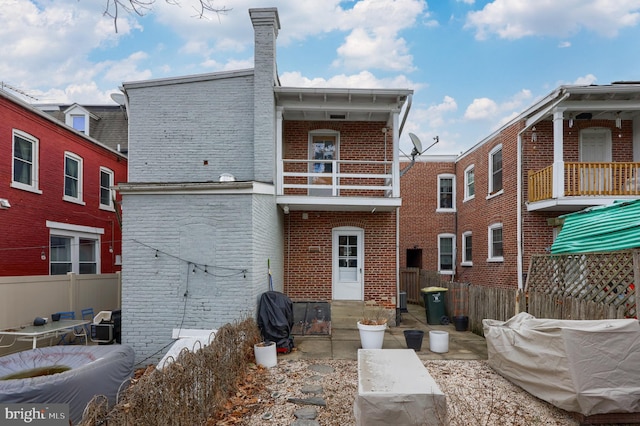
(476,395)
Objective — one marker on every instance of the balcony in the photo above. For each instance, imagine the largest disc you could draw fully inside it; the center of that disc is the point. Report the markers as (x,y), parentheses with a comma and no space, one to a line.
(346,185)
(585,184)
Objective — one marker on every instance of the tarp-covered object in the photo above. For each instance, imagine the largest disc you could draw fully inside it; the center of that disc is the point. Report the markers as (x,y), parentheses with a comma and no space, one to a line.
(95,370)
(603,228)
(275,319)
(582,366)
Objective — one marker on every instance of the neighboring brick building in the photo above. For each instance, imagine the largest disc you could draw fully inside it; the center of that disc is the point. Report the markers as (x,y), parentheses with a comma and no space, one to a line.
(231,173)
(57,212)
(576,148)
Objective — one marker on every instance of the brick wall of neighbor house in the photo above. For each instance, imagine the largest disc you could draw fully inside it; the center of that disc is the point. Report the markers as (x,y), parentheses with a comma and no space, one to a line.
(192,132)
(219,240)
(477,214)
(420,224)
(308,254)
(23,226)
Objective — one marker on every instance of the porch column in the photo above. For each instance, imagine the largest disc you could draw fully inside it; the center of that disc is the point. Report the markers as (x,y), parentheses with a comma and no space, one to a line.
(395,192)
(279,166)
(558,159)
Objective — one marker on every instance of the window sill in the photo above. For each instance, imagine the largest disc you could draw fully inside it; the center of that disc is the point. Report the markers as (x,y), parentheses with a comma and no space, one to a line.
(495,194)
(73,200)
(107,208)
(22,186)
(439,210)
(495,259)
(466,263)
(445,272)
(469,198)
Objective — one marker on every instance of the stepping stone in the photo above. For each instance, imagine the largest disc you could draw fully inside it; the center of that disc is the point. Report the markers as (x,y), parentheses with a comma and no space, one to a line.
(305,422)
(309,401)
(315,378)
(306,413)
(321,368)
(315,389)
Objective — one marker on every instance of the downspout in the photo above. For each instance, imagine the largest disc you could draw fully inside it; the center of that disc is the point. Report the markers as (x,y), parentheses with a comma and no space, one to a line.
(519,201)
(397,164)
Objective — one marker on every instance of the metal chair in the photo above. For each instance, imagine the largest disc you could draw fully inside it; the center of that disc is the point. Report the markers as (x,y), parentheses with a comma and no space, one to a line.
(87,314)
(67,315)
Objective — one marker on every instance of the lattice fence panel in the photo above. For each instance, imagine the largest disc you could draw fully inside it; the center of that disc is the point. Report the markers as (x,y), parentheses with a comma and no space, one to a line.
(582,286)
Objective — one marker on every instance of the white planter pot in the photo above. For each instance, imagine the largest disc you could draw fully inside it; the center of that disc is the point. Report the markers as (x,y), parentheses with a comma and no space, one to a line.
(266,354)
(371,336)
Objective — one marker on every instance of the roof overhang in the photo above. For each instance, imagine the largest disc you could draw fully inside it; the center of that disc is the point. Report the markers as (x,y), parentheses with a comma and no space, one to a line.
(330,104)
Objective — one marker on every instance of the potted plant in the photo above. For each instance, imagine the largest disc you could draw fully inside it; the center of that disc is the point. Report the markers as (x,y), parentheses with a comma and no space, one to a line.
(372,327)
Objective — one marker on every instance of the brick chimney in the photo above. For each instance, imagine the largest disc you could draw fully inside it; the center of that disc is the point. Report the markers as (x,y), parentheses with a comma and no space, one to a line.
(266,24)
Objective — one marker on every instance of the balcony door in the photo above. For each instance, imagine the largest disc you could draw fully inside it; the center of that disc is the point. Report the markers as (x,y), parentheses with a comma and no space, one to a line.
(595,147)
(348,259)
(322,153)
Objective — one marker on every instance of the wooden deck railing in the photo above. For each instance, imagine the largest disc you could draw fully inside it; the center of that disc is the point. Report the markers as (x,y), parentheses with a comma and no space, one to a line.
(587,179)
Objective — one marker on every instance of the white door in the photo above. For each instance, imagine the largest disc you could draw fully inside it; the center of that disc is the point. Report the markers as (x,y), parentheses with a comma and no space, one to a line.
(348,263)
(595,147)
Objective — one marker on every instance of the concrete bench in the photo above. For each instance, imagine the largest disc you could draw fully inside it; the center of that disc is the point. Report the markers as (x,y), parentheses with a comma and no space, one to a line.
(394,387)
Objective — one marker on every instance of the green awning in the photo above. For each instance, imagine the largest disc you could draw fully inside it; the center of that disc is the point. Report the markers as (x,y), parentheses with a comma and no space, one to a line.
(600,229)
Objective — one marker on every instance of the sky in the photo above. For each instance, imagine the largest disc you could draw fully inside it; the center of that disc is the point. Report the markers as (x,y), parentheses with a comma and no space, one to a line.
(473,65)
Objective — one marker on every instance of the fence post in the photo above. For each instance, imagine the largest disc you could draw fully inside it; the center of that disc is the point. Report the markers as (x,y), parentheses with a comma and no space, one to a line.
(636,277)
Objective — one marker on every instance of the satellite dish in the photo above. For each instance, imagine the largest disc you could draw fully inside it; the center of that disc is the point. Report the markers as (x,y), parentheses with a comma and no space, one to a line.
(417,145)
(118,98)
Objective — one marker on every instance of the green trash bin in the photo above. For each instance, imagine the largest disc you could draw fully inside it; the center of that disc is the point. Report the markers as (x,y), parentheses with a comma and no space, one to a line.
(435,305)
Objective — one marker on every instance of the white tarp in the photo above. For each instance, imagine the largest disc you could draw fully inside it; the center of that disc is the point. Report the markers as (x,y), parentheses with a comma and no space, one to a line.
(583,366)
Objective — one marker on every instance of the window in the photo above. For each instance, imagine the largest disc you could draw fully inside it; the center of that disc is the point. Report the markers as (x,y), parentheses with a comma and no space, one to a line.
(446,192)
(495,243)
(467,249)
(106,193)
(446,250)
(74,248)
(469,183)
(495,170)
(78,122)
(25,162)
(72,178)
(323,151)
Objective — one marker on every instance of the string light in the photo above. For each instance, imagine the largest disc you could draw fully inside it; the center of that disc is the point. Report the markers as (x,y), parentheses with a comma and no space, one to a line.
(193,266)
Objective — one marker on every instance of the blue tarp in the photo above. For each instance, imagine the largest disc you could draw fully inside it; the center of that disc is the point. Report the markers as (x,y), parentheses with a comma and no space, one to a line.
(600,229)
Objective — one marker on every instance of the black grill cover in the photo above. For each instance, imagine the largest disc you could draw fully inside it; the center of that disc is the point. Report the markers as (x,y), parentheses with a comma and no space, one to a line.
(275,319)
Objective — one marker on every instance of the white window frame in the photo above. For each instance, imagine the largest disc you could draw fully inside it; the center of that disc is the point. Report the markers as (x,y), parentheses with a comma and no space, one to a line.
(491,172)
(76,232)
(467,195)
(452,237)
(77,111)
(453,193)
(110,206)
(35,151)
(78,159)
(492,257)
(465,261)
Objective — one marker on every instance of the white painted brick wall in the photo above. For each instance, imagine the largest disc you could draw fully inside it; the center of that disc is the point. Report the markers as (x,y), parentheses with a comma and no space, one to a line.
(175,129)
(204,229)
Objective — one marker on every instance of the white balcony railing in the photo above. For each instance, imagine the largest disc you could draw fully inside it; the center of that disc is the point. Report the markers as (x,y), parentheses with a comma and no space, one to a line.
(337,178)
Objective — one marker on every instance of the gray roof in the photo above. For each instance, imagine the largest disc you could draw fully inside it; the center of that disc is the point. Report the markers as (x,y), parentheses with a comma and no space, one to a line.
(108,123)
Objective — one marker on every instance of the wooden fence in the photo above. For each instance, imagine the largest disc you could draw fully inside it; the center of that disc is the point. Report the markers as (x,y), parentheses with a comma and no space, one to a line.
(575,286)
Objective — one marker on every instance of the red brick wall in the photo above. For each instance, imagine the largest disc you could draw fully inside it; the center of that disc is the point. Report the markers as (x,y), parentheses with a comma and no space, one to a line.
(308,254)
(420,224)
(23,226)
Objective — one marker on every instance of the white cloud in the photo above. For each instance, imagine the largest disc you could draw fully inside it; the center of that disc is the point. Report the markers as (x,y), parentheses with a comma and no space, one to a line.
(564,44)
(514,19)
(481,109)
(585,80)
(363,79)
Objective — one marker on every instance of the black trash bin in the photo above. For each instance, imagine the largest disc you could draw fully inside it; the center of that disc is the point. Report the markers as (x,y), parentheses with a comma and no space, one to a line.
(435,305)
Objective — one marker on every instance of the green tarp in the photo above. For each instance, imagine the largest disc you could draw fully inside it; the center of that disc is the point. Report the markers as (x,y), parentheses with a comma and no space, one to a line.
(600,229)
